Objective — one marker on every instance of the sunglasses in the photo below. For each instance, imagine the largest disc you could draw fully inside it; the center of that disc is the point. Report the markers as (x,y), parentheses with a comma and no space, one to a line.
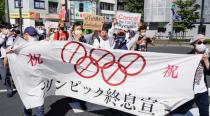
(200,42)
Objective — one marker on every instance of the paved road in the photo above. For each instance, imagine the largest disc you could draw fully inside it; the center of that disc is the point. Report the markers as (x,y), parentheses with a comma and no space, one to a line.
(62,106)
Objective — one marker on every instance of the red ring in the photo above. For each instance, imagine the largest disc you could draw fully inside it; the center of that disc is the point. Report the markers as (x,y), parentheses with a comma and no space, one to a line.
(79,73)
(103,50)
(119,67)
(71,42)
(139,56)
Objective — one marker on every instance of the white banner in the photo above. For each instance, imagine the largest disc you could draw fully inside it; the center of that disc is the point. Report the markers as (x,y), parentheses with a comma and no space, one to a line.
(127,20)
(140,83)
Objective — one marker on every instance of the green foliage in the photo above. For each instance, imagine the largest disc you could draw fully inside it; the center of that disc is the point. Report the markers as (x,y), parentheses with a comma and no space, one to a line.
(2,11)
(136,6)
(187,9)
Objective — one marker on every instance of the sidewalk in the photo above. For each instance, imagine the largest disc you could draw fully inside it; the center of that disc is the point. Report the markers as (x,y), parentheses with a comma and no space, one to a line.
(166,43)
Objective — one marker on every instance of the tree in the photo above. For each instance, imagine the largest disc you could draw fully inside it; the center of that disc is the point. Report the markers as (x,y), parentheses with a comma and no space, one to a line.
(2,11)
(187,9)
(135,6)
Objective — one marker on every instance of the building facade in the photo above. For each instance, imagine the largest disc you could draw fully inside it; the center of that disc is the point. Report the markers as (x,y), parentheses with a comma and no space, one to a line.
(108,9)
(158,15)
(46,12)
(35,12)
(78,9)
(121,5)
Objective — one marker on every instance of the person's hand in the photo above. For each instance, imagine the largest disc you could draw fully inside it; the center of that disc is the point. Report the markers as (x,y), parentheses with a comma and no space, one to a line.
(95,33)
(205,57)
(206,60)
(78,36)
(9,50)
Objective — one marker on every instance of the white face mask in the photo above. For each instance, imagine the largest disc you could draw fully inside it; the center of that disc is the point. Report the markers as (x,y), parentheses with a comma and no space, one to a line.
(32,38)
(200,48)
(78,32)
(143,34)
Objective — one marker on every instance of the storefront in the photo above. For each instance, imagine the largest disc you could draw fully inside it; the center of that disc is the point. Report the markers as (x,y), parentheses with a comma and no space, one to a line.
(28,19)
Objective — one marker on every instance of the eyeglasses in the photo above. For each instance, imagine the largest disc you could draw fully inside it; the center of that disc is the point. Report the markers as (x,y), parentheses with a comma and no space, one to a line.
(200,42)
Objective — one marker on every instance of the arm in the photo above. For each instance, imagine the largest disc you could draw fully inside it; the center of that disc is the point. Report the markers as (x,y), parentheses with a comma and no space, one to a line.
(111,30)
(2,39)
(132,41)
(10,42)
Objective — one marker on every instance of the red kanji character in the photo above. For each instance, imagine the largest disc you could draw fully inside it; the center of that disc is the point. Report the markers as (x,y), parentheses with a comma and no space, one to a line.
(171,71)
(35,59)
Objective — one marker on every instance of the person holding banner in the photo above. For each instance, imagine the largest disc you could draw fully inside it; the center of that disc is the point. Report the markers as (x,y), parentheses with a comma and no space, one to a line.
(6,36)
(30,34)
(200,83)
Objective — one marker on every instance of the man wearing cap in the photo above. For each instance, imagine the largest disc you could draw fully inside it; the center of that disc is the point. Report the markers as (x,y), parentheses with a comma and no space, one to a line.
(200,84)
(30,34)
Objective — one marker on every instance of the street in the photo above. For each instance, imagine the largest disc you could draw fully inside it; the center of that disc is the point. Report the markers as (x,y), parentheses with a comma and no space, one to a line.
(64,106)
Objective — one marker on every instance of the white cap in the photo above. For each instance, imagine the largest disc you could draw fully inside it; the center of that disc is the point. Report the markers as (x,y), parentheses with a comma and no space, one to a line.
(197,37)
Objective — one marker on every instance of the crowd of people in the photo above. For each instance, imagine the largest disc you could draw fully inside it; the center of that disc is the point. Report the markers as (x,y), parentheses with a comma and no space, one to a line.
(106,38)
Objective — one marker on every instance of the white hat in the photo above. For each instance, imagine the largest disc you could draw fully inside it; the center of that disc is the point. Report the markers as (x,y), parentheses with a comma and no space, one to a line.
(197,37)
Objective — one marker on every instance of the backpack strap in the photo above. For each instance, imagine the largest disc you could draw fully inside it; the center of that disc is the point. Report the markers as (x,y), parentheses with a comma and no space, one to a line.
(58,35)
(97,37)
(66,33)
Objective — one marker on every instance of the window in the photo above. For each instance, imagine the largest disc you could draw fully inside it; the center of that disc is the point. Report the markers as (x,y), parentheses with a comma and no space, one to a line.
(17,4)
(106,6)
(81,7)
(39,4)
(53,7)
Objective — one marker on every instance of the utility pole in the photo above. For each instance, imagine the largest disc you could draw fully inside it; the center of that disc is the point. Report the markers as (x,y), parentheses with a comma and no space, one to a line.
(98,7)
(20,14)
(7,11)
(171,20)
(67,13)
(200,31)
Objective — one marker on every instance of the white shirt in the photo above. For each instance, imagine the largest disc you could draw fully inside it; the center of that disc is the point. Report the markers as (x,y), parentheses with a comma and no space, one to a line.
(2,38)
(105,44)
(199,84)
(3,49)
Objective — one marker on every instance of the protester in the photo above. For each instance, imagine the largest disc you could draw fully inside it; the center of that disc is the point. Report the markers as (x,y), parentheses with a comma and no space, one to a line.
(50,34)
(42,32)
(105,39)
(61,34)
(108,39)
(5,37)
(200,83)
(30,34)
(77,34)
(143,41)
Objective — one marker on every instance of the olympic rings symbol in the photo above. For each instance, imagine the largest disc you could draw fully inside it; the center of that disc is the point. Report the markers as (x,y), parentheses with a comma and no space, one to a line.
(100,61)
